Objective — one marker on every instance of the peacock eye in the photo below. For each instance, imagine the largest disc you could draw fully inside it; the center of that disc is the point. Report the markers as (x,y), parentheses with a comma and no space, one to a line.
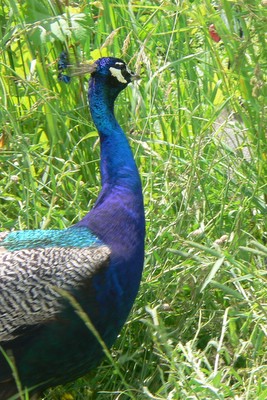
(120,65)
(124,68)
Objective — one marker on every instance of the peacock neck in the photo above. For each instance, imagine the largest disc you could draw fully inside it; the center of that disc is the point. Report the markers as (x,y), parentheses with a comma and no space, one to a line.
(119,211)
(118,168)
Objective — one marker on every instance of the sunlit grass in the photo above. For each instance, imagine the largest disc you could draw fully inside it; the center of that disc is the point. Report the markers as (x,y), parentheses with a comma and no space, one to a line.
(198,327)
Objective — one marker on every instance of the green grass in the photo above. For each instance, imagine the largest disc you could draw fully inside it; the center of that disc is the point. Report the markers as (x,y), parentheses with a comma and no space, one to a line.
(198,327)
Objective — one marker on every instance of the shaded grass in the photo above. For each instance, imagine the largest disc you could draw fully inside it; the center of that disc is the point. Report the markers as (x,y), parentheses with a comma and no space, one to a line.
(198,327)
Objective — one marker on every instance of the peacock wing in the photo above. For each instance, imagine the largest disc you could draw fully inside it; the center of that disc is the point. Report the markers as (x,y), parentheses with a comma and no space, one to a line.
(32,278)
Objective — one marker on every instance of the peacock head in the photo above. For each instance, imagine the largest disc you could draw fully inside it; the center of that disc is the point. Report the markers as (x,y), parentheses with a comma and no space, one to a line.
(113,71)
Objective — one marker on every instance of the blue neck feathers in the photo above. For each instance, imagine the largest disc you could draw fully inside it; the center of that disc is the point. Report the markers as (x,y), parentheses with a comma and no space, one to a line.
(119,211)
(117,164)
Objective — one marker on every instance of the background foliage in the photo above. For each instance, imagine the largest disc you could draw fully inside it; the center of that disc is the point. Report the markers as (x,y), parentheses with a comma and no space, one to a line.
(197,124)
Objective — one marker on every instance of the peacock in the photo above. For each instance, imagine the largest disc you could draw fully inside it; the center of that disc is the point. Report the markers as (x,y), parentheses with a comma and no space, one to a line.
(96,263)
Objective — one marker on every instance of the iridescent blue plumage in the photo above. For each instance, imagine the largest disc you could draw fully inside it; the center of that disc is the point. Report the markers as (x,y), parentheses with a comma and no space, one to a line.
(99,261)
(71,237)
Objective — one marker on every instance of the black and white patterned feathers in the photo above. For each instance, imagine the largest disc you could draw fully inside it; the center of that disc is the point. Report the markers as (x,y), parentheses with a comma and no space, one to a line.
(30,279)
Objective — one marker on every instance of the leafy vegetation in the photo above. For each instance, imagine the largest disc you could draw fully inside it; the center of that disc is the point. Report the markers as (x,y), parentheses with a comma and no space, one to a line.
(197,124)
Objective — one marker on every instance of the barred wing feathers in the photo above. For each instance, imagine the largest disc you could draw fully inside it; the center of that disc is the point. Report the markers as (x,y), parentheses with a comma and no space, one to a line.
(29,279)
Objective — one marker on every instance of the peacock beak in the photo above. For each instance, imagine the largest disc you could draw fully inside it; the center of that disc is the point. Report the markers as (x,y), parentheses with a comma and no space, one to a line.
(135,77)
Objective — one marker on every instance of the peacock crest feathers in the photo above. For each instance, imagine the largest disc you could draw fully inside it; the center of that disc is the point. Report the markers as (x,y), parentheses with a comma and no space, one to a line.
(111,67)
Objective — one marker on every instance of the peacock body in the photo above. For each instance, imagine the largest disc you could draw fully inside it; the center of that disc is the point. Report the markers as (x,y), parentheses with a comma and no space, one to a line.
(98,262)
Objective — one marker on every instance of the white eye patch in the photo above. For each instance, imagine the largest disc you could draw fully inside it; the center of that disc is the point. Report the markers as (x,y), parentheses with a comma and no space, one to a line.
(117,74)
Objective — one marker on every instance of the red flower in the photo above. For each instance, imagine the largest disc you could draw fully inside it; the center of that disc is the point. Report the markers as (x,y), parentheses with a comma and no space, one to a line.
(213,33)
